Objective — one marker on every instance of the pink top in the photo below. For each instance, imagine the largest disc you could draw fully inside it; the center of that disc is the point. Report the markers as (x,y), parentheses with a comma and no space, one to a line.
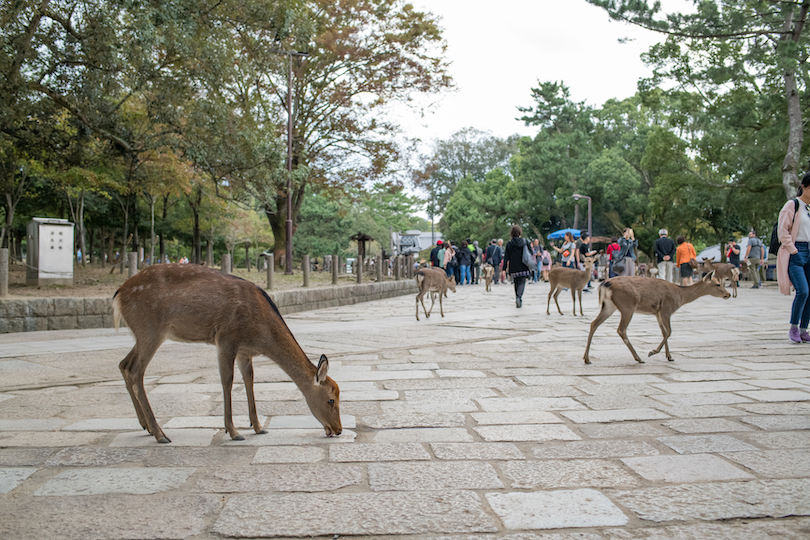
(787,237)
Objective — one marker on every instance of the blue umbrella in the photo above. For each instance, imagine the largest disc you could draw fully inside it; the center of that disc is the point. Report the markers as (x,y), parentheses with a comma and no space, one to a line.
(561,233)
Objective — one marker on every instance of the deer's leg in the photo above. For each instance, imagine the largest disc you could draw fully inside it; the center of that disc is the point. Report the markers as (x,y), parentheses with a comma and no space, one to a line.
(622,330)
(432,303)
(548,304)
(246,368)
(666,331)
(226,356)
(574,296)
(419,297)
(133,367)
(557,292)
(607,310)
(441,307)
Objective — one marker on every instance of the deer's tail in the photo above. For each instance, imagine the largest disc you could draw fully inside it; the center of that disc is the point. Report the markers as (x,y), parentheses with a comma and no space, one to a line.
(116,304)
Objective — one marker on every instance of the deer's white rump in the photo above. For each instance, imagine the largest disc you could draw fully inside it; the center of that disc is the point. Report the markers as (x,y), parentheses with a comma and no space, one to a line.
(196,304)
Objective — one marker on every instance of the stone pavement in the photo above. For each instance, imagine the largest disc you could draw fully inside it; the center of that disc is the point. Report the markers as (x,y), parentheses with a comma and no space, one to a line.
(483,424)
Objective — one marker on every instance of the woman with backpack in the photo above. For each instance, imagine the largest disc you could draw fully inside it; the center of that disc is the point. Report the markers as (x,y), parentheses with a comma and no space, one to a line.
(568,251)
(793,259)
(514,265)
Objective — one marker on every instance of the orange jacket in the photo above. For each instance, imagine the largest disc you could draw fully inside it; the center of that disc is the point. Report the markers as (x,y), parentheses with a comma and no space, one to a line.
(685,253)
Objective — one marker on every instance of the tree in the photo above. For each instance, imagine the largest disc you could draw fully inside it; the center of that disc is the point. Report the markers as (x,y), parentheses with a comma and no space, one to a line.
(468,152)
(482,210)
(729,46)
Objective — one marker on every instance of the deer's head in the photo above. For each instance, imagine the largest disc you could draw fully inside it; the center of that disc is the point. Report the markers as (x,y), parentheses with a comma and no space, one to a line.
(324,400)
(451,284)
(715,286)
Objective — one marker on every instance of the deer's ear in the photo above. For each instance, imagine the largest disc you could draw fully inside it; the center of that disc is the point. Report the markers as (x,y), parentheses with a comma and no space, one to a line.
(323,367)
(708,277)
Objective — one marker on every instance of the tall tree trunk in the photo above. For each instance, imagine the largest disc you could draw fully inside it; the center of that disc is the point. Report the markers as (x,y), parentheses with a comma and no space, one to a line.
(790,165)
(164,214)
(90,245)
(103,249)
(247,256)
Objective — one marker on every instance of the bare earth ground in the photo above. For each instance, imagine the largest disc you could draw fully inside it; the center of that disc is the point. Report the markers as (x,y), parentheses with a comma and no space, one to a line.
(94,281)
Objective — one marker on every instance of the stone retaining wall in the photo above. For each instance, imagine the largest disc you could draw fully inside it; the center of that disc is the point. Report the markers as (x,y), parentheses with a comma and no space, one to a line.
(31,315)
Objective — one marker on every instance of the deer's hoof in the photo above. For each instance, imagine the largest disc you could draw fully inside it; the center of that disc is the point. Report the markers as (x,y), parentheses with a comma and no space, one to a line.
(261,432)
(164,440)
(651,353)
(669,359)
(587,361)
(238,438)
(639,360)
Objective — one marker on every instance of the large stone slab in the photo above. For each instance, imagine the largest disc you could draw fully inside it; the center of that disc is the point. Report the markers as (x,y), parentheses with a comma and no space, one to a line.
(702,387)
(686,468)
(420,435)
(179,437)
(556,509)
(287,437)
(528,404)
(51,439)
(433,476)
(11,478)
(309,477)
(711,502)
(580,473)
(44,424)
(525,433)
(700,444)
(108,517)
(290,454)
(779,422)
(414,420)
(95,457)
(378,452)
(521,417)
(135,481)
(381,513)
(594,449)
(774,463)
(613,415)
(478,451)
(763,529)
(705,425)
(105,424)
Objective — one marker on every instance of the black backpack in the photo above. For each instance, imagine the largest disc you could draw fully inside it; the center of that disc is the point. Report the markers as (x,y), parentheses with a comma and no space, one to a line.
(775,244)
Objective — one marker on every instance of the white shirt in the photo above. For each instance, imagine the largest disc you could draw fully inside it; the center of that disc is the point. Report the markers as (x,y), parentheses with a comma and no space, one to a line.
(804,226)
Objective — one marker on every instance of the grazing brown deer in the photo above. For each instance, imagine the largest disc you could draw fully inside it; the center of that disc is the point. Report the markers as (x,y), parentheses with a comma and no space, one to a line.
(722,272)
(633,294)
(196,304)
(435,282)
(570,278)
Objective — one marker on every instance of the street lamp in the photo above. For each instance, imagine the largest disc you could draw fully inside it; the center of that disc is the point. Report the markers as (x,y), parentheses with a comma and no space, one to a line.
(288,254)
(577,197)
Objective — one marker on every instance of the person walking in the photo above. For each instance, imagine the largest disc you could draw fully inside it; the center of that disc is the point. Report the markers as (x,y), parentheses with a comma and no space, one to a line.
(793,259)
(665,256)
(477,254)
(434,254)
(449,260)
(627,253)
(733,256)
(501,269)
(514,265)
(683,259)
(546,264)
(583,243)
(568,251)
(537,253)
(612,249)
(754,256)
(493,258)
(464,258)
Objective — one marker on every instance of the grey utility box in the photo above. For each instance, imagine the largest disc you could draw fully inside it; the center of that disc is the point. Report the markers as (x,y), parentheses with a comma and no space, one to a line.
(50,252)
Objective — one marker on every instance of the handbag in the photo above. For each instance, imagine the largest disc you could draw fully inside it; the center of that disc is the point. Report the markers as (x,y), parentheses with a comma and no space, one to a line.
(618,266)
(528,258)
(694,264)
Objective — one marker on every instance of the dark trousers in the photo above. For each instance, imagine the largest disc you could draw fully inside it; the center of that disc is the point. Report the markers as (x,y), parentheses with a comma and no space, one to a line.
(476,273)
(520,285)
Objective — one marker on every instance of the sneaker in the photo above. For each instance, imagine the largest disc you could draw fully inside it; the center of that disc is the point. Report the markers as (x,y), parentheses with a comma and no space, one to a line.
(805,337)
(587,290)
(519,302)
(755,287)
(794,335)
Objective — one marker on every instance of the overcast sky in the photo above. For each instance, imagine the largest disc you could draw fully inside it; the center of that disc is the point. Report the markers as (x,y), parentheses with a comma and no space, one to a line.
(500,49)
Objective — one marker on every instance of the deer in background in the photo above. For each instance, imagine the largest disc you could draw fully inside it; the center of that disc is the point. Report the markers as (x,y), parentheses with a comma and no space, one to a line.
(722,272)
(196,304)
(435,282)
(633,294)
(570,278)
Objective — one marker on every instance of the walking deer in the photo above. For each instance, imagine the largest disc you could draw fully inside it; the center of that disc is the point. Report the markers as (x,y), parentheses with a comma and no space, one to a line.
(722,272)
(570,278)
(433,281)
(195,304)
(633,294)
(488,272)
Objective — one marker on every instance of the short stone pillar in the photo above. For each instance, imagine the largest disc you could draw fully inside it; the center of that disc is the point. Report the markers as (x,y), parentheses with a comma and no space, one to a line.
(305,268)
(270,261)
(335,269)
(396,267)
(379,268)
(4,272)
(226,263)
(359,264)
(409,262)
(132,263)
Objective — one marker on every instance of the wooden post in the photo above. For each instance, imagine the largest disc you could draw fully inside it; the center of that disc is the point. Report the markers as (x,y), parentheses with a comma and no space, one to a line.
(226,263)
(359,263)
(132,263)
(305,268)
(396,268)
(335,269)
(379,268)
(4,272)
(271,269)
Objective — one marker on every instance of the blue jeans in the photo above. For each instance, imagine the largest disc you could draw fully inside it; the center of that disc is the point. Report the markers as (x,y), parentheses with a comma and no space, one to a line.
(465,274)
(799,272)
